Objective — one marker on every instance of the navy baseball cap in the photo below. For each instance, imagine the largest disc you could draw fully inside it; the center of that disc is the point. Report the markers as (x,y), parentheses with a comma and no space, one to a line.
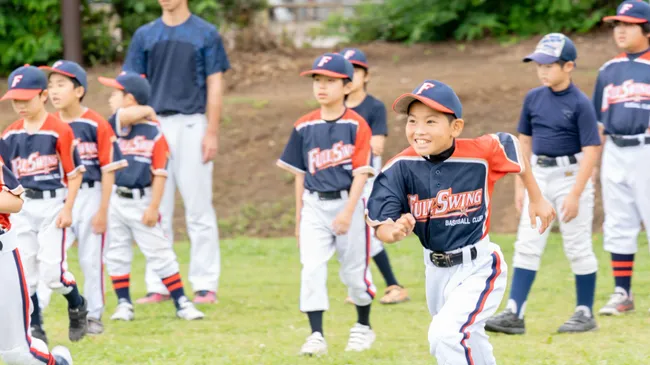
(70,69)
(131,83)
(25,83)
(355,56)
(434,94)
(631,11)
(332,65)
(552,48)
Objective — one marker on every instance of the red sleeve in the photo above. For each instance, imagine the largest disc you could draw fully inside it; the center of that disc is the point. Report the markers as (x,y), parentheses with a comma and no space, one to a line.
(505,154)
(66,147)
(362,154)
(106,144)
(160,156)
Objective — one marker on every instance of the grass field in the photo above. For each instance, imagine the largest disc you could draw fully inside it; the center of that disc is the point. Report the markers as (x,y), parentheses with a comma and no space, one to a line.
(257,320)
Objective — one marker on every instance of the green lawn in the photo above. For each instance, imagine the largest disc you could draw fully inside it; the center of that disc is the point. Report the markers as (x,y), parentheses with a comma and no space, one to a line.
(257,320)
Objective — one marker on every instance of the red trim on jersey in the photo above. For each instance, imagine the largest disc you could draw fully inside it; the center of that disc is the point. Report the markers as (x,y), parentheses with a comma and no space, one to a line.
(160,156)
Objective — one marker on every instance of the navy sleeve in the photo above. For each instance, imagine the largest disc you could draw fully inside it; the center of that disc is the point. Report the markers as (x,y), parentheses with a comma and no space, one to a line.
(135,58)
(388,200)
(587,124)
(216,59)
(597,98)
(292,158)
(378,124)
(525,127)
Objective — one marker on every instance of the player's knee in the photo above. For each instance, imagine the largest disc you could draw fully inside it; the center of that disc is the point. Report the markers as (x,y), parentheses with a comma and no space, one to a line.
(441,338)
(583,262)
(528,261)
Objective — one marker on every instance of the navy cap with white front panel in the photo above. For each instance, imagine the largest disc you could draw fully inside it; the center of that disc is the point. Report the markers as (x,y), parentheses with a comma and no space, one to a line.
(552,48)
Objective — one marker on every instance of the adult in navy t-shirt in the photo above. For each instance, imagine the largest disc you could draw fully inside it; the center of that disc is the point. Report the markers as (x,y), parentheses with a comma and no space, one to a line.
(563,121)
(183,58)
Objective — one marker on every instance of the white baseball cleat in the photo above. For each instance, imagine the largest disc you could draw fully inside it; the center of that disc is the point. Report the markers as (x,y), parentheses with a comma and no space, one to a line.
(123,312)
(62,355)
(314,345)
(188,311)
(361,338)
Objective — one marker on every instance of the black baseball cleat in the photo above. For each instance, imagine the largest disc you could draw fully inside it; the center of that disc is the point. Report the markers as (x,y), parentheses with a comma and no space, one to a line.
(580,321)
(506,322)
(78,322)
(38,332)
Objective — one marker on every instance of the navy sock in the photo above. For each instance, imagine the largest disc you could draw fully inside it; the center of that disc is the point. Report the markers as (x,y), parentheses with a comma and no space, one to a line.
(522,281)
(363,313)
(585,289)
(36,314)
(383,264)
(622,266)
(121,284)
(174,285)
(316,321)
(74,298)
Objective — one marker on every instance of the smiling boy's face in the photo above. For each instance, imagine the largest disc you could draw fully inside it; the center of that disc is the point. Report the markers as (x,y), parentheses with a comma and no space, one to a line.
(429,131)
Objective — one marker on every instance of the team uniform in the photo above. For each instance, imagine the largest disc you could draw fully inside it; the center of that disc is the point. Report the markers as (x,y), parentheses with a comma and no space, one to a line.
(622,103)
(560,124)
(449,197)
(179,97)
(16,344)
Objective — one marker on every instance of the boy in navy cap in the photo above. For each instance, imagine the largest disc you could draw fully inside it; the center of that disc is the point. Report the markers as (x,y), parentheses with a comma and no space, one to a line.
(44,158)
(374,112)
(559,135)
(100,154)
(440,188)
(133,211)
(622,103)
(329,154)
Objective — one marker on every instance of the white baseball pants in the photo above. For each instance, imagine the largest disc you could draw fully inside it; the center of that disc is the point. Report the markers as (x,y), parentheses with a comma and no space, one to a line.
(91,250)
(125,226)
(184,134)
(625,179)
(461,299)
(17,347)
(43,244)
(555,184)
(318,242)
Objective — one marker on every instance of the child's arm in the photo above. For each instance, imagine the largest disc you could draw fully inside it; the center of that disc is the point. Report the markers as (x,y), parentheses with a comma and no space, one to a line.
(10,203)
(300,189)
(73,169)
(526,144)
(342,221)
(136,114)
(100,219)
(538,207)
(64,219)
(397,231)
(570,206)
(151,215)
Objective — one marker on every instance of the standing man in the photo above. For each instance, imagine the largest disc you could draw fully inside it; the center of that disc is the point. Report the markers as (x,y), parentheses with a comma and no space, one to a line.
(184,59)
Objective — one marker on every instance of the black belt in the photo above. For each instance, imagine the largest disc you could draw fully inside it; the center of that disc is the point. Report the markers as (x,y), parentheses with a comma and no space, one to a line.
(328,195)
(442,259)
(88,184)
(546,161)
(629,142)
(127,193)
(167,113)
(39,194)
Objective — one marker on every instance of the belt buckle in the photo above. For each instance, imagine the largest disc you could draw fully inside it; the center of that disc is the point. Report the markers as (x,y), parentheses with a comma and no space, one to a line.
(438,258)
(123,190)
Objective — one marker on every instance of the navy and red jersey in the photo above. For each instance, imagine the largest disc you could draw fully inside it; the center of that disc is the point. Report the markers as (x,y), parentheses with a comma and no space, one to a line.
(560,122)
(451,199)
(145,149)
(45,159)
(9,183)
(622,94)
(374,112)
(97,145)
(329,153)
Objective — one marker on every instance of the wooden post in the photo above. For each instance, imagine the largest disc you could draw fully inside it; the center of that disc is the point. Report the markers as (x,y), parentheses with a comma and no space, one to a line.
(71,30)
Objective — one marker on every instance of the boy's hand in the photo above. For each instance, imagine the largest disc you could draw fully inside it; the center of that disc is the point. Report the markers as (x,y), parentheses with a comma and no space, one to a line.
(150,217)
(570,207)
(377,145)
(341,223)
(209,146)
(99,222)
(542,209)
(64,219)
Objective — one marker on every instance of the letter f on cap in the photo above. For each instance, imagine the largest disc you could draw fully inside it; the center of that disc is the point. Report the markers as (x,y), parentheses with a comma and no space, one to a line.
(16,80)
(625,8)
(424,87)
(324,60)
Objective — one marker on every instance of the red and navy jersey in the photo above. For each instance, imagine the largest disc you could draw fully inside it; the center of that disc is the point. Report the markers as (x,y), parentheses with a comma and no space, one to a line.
(97,145)
(622,94)
(329,153)
(145,149)
(374,112)
(9,183)
(450,200)
(45,159)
